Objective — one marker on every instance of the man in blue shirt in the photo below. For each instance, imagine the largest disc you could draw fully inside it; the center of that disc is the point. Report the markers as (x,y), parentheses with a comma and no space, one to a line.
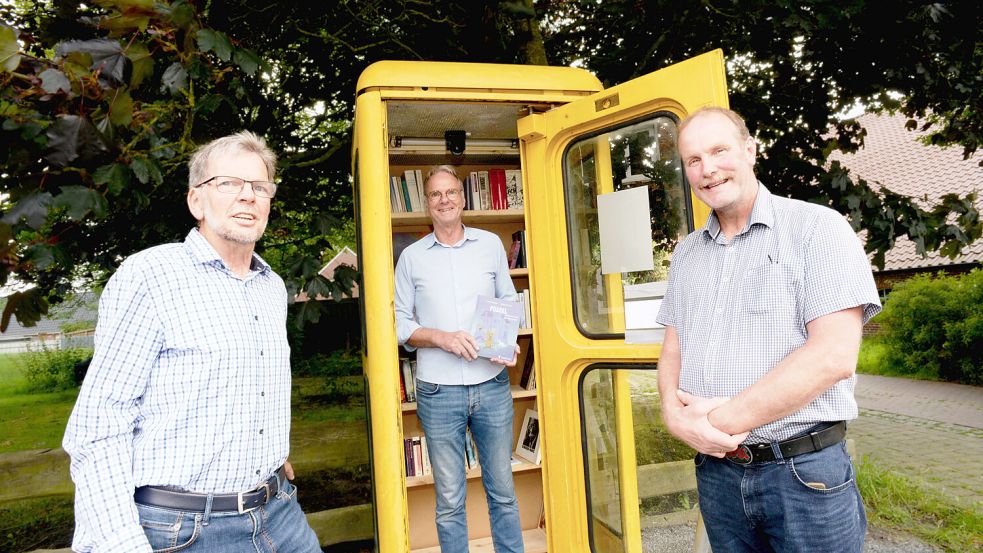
(180,434)
(438,280)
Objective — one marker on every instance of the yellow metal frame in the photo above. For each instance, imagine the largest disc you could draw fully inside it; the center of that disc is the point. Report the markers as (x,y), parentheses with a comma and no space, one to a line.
(562,352)
(566,352)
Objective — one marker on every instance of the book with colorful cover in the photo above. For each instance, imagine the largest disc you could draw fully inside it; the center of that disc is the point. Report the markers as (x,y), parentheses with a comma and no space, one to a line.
(496,327)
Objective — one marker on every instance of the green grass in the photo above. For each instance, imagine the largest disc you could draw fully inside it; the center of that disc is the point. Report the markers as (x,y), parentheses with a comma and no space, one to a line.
(30,420)
(896,502)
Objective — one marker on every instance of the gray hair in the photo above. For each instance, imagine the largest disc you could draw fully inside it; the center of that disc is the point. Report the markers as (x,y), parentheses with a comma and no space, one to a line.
(736,119)
(243,141)
(437,169)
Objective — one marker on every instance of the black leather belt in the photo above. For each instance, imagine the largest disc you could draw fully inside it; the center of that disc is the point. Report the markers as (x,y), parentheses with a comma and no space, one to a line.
(242,502)
(813,441)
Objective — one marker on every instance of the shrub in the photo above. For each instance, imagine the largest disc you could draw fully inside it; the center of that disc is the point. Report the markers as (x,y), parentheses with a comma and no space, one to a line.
(53,370)
(337,363)
(933,327)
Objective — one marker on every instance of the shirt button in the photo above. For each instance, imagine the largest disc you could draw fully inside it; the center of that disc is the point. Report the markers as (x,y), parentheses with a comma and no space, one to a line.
(257,473)
(262,393)
(255,317)
(260,430)
(260,353)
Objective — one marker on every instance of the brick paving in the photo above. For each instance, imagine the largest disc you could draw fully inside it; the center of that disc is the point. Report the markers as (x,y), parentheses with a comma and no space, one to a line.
(929,431)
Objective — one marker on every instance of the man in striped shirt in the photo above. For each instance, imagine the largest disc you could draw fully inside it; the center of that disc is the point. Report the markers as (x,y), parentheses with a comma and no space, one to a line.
(180,434)
(763,318)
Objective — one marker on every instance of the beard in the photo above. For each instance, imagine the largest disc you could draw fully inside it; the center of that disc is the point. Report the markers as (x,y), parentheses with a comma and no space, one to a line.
(245,237)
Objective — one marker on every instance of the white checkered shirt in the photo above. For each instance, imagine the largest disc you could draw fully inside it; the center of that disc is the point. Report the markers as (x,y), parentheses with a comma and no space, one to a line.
(189,387)
(741,307)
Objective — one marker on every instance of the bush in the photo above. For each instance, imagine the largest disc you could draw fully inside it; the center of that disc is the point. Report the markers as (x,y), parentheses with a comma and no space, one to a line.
(53,370)
(337,363)
(933,327)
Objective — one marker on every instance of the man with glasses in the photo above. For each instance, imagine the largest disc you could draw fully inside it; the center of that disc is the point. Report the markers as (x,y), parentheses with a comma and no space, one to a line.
(438,280)
(180,434)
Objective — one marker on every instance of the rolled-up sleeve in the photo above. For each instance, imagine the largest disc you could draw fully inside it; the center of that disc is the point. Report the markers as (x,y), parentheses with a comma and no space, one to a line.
(406,323)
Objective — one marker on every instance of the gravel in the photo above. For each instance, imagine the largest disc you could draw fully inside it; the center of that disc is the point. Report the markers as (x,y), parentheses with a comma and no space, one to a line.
(679,539)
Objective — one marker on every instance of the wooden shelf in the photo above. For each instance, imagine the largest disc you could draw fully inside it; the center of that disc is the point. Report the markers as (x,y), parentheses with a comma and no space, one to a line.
(519,273)
(517,393)
(534,540)
(470,217)
(415,481)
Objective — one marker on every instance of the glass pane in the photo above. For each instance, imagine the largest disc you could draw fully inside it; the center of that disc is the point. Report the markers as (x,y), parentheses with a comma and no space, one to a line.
(642,153)
(601,450)
(666,480)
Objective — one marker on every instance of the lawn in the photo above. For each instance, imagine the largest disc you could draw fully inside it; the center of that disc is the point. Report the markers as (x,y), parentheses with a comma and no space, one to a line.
(30,420)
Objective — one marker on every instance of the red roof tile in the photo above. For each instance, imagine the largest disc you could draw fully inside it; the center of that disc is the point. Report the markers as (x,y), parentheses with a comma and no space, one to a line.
(893,157)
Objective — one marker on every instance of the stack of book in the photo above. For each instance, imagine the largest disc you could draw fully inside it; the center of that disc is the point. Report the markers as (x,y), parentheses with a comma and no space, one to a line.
(406,192)
(517,252)
(522,296)
(407,380)
(417,456)
(493,189)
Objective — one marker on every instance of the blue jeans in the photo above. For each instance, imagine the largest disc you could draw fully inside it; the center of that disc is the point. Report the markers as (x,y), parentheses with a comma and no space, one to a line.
(776,506)
(446,412)
(279,525)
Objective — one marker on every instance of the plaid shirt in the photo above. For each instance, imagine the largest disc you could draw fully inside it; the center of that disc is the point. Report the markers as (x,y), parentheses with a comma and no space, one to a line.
(740,307)
(189,387)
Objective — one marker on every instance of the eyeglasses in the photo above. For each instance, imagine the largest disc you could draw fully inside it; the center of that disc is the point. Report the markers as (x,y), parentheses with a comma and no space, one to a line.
(233,185)
(452,195)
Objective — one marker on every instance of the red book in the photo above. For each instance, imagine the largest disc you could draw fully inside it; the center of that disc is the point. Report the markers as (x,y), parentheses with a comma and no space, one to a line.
(496,178)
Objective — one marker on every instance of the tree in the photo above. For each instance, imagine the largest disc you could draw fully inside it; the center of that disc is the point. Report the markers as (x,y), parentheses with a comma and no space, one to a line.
(98,120)
(792,67)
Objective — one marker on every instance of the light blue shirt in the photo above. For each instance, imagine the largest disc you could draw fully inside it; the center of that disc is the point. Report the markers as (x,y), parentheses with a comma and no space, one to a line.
(189,386)
(437,286)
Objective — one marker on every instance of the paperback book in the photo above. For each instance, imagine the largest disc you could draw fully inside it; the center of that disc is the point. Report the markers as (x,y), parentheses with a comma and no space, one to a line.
(496,327)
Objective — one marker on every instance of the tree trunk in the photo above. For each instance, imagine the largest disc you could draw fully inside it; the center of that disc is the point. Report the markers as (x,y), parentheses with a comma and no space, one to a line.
(533,48)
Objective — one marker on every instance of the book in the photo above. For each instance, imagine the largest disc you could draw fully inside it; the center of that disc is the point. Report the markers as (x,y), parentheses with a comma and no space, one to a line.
(528,380)
(496,182)
(425,454)
(496,327)
(513,188)
(413,191)
(417,456)
(408,380)
(483,186)
(475,191)
(514,253)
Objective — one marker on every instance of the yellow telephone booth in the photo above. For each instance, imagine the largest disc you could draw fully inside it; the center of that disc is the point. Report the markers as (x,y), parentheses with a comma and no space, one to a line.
(596,199)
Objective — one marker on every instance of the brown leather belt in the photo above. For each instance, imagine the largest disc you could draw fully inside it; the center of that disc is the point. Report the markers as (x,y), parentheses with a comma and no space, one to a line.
(813,441)
(242,502)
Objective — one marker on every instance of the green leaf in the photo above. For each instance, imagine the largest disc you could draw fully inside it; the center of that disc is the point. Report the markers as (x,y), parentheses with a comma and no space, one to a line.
(121,108)
(34,208)
(78,201)
(248,60)
(116,177)
(146,169)
(72,137)
(54,81)
(143,64)
(107,58)
(28,306)
(9,48)
(182,14)
(40,255)
(215,41)
(175,78)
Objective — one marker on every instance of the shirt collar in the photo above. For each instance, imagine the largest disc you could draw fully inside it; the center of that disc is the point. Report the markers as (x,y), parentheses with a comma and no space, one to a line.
(430,240)
(204,253)
(762,212)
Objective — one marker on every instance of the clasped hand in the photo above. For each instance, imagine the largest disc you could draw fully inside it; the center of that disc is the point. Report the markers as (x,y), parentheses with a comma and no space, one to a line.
(690,424)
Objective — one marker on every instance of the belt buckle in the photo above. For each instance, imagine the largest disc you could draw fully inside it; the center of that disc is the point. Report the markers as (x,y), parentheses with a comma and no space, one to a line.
(242,511)
(740,456)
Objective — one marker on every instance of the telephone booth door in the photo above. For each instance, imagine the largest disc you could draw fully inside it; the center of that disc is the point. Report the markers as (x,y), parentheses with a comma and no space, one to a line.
(606,201)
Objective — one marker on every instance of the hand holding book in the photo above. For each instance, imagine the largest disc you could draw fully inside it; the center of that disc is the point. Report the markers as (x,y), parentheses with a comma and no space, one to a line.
(496,328)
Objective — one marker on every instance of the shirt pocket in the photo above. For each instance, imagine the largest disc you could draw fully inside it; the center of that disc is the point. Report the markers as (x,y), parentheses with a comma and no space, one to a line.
(771,289)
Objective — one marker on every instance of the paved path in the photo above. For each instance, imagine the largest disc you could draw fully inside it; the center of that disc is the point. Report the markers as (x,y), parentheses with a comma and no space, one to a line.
(931,431)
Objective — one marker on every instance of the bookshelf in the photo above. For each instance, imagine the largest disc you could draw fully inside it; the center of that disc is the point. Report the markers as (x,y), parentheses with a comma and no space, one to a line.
(527,476)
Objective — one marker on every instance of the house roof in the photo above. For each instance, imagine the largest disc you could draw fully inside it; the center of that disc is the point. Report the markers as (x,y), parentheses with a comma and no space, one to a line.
(79,309)
(893,156)
(345,257)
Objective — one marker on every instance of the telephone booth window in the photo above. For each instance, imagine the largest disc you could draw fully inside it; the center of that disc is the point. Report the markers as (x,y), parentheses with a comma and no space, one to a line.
(637,154)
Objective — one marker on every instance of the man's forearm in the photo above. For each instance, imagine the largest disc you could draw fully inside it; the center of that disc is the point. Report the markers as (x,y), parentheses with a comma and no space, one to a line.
(827,357)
